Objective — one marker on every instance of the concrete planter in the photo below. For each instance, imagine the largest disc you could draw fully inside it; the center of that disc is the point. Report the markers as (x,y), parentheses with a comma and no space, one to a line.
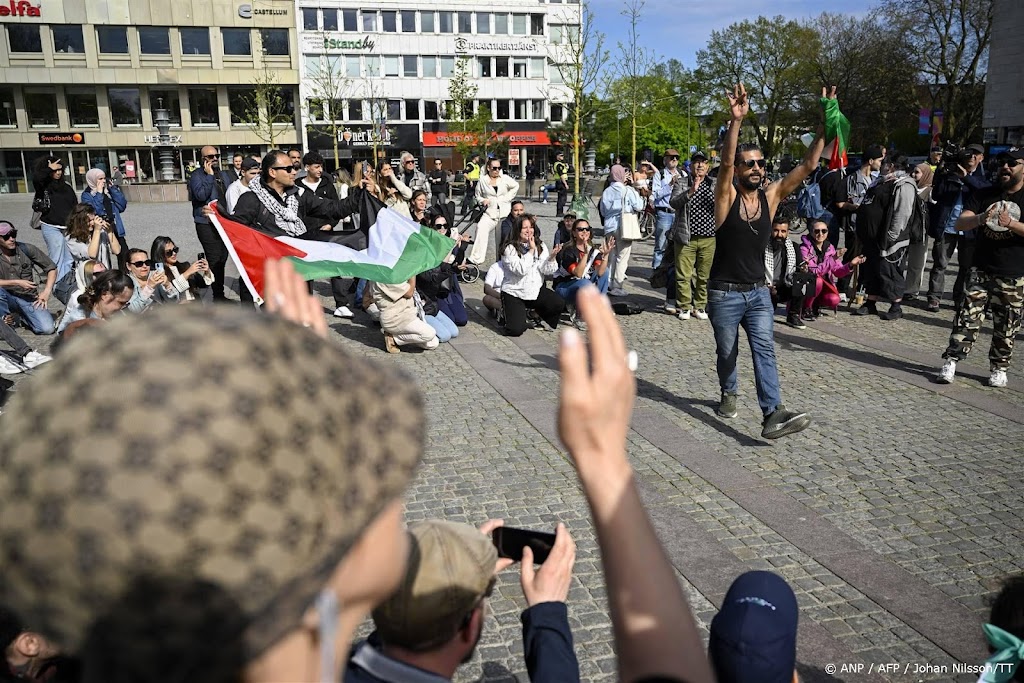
(156,192)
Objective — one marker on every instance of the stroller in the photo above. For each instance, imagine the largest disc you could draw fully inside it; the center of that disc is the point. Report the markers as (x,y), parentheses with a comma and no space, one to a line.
(471,272)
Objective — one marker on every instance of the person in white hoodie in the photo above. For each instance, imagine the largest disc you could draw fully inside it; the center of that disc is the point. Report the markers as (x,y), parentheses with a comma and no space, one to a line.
(527,261)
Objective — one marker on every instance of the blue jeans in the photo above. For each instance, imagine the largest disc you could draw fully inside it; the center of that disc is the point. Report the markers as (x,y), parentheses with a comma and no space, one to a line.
(57,249)
(443,326)
(662,224)
(544,189)
(567,290)
(39,320)
(754,312)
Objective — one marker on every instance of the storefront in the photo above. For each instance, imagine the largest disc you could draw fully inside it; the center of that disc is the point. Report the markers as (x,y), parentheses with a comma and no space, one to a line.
(527,143)
(357,143)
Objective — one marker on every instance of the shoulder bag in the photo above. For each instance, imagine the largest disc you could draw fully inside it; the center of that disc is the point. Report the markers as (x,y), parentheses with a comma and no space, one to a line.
(629,223)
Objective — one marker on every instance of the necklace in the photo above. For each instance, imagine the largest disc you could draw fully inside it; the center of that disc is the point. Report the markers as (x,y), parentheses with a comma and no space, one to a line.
(747,215)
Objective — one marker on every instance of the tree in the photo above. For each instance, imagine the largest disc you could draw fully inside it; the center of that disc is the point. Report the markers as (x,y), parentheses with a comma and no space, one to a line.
(329,87)
(948,41)
(458,110)
(579,61)
(268,105)
(769,56)
(634,63)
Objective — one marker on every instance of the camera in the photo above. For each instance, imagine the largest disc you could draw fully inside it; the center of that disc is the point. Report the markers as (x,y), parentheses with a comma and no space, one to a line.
(955,155)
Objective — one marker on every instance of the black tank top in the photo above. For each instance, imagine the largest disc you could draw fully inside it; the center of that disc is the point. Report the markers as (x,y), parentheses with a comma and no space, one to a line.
(739,254)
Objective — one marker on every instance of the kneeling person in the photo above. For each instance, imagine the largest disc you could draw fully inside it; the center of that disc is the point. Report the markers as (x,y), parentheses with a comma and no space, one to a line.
(399,320)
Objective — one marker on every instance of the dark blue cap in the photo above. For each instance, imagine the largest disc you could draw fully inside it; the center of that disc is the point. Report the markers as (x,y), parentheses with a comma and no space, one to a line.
(753,636)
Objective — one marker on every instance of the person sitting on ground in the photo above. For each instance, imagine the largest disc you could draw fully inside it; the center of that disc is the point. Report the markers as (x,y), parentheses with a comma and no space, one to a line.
(418,208)
(581,263)
(527,261)
(1005,634)
(492,291)
(19,293)
(399,318)
(85,272)
(822,259)
(517,210)
(109,202)
(109,294)
(186,279)
(433,623)
(441,284)
(91,237)
(753,636)
(433,289)
(151,286)
(781,262)
(24,356)
(250,173)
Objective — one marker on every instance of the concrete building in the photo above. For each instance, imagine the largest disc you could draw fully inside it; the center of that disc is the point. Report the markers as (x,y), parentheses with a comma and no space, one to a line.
(1004,88)
(82,79)
(381,72)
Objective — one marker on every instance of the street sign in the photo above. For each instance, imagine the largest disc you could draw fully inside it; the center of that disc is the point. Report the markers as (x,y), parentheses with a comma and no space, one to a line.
(693,148)
(513,157)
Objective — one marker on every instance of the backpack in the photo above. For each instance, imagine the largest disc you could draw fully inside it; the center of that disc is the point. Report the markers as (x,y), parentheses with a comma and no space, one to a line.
(918,225)
(808,201)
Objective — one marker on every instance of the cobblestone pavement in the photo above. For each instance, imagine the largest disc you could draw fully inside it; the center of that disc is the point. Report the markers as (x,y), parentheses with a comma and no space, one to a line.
(894,516)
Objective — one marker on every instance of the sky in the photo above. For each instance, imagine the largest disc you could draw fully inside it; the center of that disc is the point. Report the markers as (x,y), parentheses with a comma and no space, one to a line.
(679,28)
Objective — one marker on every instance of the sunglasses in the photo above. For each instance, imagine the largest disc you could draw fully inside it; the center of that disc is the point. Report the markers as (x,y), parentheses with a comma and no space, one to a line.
(820,232)
(582,229)
(751,163)
(172,252)
(211,156)
(676,158)
(10,236)
(290,169)
(410,161)
(142,264)
(1011,163)
(494,168)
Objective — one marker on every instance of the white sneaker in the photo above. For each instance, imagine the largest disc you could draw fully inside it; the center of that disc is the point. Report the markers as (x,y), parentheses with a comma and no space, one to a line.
(997,379)
(343,312)
(684,315)
(700,314)
(373,312)
(670,308)
(843,298)
(544,201)
(7,367)
(948,371)
(34,358)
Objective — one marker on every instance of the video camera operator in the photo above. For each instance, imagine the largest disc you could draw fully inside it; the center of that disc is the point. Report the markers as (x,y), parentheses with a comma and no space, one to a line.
(960,173)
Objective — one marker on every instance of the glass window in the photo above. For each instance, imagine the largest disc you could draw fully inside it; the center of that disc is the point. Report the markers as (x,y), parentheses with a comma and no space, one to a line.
(372,65)
(315,107)
(337,110)
(170,101)
(351,66)
(394,110)
(41,108)
(519,67)
(125,106)
(521,109)
(536,67)
(369,20)
(391,65)
(309,19)
(312,65)
(556,34)
(447,67)
(195,41)
(275,41)
(236,41)
(408,21)
(330,19)
(24,38)
(240,107)
(519,24)
(557,113)
(538,109)
(555,73)
(503,111)
(202,103)
(287,97)
(8,112)
(465,22)
(82,108)
(483,22)
(536,24)
(446,21)
(389,19)
(68,39)
(430,111)
(483,67)
(113,40)
(348,19)
(355,110)
(501,24)
(155,40)
(412,110)
(409,66)
(501,67)
(429,67)
(426,22)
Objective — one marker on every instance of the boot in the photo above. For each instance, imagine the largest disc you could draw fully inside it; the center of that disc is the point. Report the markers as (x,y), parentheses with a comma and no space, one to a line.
(895,312)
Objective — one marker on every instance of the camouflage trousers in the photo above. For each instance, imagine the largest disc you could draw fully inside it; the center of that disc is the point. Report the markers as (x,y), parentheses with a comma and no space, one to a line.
(1005,296)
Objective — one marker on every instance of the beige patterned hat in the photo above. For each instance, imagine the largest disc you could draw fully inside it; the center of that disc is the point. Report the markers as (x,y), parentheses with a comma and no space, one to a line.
(197,444)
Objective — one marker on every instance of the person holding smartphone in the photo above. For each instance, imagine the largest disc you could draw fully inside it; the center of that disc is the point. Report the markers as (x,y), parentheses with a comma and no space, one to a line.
(151,285)
(582,263)
(91,236)
(206,184)
(186,279)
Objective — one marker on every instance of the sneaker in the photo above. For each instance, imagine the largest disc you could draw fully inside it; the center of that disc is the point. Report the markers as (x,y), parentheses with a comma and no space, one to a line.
(670,308)
(343,312)
(541,325)
(933,305)
(794,321)
(34,358)
(843,299)
(700,314)
(997,379)
(910,296)
(867,309)
(948,371)
(895,312)
(684,315)
(784,422)
(727,406)
(808,316)
(389,344)
(544,201)
(617,291)
(578,323)
(7,367)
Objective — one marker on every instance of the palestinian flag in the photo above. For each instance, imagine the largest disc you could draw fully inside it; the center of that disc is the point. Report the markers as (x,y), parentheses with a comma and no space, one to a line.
(837,133)
(397,249)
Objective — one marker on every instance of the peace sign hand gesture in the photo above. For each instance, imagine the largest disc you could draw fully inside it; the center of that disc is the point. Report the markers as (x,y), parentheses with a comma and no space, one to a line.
(739,105)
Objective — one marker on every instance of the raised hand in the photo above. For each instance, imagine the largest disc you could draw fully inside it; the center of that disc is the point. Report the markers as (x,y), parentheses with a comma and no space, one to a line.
(287,296)
(739,105)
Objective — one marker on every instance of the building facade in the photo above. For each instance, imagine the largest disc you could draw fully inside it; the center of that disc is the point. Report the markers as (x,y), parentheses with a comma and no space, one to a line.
(82,79)
(375,78)
(1004,88)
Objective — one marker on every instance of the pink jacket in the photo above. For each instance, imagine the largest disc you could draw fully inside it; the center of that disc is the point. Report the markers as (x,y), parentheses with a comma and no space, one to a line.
(829,268)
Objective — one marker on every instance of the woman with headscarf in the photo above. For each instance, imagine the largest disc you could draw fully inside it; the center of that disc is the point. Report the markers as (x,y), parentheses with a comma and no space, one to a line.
(918,253)
(617,199)
(108,202)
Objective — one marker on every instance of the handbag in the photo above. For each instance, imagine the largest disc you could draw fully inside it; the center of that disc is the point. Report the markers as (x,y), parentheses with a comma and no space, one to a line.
(36,222)
(41,202)
(804,284)
(629,227)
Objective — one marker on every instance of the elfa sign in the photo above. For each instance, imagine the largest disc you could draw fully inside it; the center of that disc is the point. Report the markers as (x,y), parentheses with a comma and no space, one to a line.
(22,8)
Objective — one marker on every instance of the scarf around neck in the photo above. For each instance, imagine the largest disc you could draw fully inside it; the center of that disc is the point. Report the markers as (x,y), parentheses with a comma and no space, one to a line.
(286,215)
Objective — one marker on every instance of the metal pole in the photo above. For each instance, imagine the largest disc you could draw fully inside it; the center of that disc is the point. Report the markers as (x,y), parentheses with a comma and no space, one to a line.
(616,136)
(688,143)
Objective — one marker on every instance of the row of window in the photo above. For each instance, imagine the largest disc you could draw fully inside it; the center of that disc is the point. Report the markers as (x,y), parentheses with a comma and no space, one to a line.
(153,40)
(410,110)
(126,106)
(419,66)
(412,21)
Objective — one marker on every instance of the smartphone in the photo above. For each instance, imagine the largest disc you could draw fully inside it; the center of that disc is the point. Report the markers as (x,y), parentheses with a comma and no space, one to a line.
(510,543)
(202,256)
(366,167)
(159,267)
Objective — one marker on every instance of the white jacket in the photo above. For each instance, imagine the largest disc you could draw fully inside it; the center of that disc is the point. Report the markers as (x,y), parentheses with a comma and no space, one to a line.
(500,198)
(524,274)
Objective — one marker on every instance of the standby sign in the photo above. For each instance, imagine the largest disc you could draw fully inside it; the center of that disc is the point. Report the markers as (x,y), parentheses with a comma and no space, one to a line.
(327,42)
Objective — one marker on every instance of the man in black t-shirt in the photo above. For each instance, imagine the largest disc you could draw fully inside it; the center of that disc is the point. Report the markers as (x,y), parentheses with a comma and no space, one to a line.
(997,275)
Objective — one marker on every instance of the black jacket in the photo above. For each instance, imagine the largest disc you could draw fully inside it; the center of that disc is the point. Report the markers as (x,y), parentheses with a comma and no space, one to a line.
(325,190)
(250,211)
(947,188)
(62,197)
